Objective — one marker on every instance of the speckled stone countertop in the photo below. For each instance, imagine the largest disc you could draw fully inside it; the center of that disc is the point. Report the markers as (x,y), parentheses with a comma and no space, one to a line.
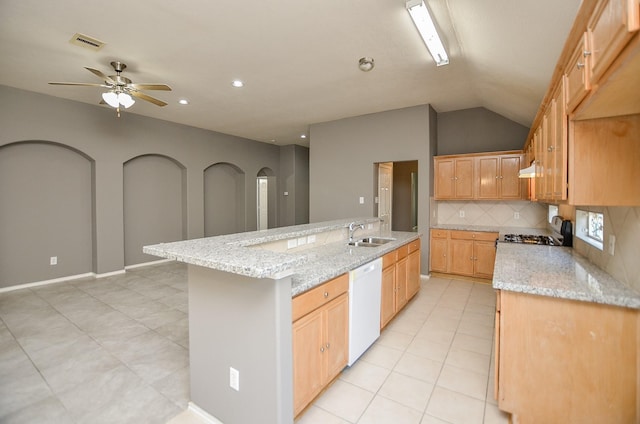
(558,272)
(489,229)
(240,253)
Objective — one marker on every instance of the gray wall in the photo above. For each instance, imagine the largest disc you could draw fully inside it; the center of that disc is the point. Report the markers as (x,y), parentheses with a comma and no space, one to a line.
(294,173)
(478,130)
(57,216)
(342,157)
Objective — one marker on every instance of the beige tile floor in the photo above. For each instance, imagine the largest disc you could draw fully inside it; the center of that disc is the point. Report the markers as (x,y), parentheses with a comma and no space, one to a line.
(115,350)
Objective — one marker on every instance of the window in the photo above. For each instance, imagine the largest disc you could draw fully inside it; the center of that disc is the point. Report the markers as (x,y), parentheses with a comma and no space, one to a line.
(590,228)
(596,226)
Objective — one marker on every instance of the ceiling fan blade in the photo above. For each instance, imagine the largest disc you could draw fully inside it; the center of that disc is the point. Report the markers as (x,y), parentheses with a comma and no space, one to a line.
(85,84)
(148,98)
(163,87)
(100,75)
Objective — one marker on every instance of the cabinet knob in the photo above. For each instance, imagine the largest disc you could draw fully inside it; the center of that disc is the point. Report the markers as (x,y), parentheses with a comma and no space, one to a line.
(326,294)
(550,149)
(580,65)
(327,345)
(586,53)
(322,349)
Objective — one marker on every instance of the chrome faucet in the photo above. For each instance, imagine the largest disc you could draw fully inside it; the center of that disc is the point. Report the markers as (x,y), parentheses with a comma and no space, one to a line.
(352,229)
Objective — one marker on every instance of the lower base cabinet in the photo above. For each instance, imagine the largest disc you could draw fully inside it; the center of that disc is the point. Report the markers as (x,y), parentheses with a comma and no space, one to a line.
(565,361)
(320,340)
(468,253)
(400,279)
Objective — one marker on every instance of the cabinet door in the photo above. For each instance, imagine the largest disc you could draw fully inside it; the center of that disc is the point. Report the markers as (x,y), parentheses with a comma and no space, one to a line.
(612,25)
(548,132)
(444,178)
(488,175)
(337,336)
(539,184)
(484,258)
(578,75)
(413,276)
(510,184)
(308,374)
(464,178)
(388,301)
(559,150)
(401,284)
(461,257)
(439,253)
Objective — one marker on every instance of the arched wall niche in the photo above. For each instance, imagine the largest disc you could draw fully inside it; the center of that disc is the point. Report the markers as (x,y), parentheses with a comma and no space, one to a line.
(154,204)
(47,212)
(224,199)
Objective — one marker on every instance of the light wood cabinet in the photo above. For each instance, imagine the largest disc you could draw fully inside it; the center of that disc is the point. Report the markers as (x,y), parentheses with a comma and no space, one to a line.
(413,269)
(610,28)
(400,279)
(482,176)
(320,336)
(498,177)
(559,143)
(439,252)
(566,361)
(453,178)
(468,253)
(578,73)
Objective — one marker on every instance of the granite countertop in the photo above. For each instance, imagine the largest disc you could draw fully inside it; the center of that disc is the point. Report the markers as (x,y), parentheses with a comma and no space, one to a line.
(558,272)
(491,229)
(241,254)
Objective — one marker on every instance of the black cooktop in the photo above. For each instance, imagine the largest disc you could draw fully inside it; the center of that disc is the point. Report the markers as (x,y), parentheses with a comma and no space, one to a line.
(531,239)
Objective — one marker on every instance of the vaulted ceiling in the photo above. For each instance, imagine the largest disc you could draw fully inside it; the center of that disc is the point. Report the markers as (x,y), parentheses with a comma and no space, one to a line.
(298,59)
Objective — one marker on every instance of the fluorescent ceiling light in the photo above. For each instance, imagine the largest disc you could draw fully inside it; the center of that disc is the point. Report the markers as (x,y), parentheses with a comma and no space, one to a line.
(422,20)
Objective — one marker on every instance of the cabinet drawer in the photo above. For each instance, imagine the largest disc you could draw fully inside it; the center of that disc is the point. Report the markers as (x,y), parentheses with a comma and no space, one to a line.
(403,251)
(473,235)
(435,233)
(316,297)
(414,245)
(389,259)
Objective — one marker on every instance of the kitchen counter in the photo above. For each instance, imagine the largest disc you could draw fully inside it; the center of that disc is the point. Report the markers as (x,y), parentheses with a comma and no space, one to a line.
(251,253)
(558,272)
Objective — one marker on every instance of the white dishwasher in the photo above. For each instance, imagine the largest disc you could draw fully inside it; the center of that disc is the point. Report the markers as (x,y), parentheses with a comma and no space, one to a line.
(365,287)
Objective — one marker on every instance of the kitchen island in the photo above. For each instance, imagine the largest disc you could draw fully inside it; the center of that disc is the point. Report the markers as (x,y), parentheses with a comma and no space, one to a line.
(567,338)
(240,292)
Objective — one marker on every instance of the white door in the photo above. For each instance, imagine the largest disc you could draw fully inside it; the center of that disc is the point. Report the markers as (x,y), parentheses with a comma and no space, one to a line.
(263,204)
(385,194)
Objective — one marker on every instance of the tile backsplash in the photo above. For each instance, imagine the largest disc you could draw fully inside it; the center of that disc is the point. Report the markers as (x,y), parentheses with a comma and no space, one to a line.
(489,213)
(624,224)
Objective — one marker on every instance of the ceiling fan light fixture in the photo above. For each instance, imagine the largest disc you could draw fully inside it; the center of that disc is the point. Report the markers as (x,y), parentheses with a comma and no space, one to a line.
(427,29)
(125,100)
(111,98)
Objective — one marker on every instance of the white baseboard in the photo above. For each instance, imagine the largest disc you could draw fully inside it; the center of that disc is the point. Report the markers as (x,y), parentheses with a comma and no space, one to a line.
(204,415)
(110,274)
(158,262)
(46,282)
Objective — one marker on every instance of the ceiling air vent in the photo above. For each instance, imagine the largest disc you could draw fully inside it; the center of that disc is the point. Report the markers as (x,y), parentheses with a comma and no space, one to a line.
(86,41)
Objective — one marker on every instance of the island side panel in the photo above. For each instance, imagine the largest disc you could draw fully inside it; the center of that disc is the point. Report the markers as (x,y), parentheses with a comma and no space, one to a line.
(244,323)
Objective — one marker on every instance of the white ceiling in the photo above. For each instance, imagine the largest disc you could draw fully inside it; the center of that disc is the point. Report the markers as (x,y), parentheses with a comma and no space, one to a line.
(298,59)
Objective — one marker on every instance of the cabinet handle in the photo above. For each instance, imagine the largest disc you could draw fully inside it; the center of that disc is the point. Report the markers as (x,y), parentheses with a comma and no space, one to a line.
(580,65)
(326,294)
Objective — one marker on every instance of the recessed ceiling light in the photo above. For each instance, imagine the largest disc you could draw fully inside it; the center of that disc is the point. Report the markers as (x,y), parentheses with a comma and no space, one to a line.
(237,83)
(303,136)
(366,64)
(183,101)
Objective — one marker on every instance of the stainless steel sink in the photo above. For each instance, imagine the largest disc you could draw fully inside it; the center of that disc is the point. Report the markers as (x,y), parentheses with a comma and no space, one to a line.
(370,242)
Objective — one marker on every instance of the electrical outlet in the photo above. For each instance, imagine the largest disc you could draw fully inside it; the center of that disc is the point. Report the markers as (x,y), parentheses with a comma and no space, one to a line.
(362,200)
(612,244)
(234,379)
(461,213)
(516,215)
(53,260)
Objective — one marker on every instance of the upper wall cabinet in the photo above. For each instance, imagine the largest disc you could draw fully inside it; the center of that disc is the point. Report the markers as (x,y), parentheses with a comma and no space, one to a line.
(485,176)
(585,135)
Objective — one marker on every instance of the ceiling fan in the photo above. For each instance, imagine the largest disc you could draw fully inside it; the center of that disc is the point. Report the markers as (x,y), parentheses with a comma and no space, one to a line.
(121,90)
